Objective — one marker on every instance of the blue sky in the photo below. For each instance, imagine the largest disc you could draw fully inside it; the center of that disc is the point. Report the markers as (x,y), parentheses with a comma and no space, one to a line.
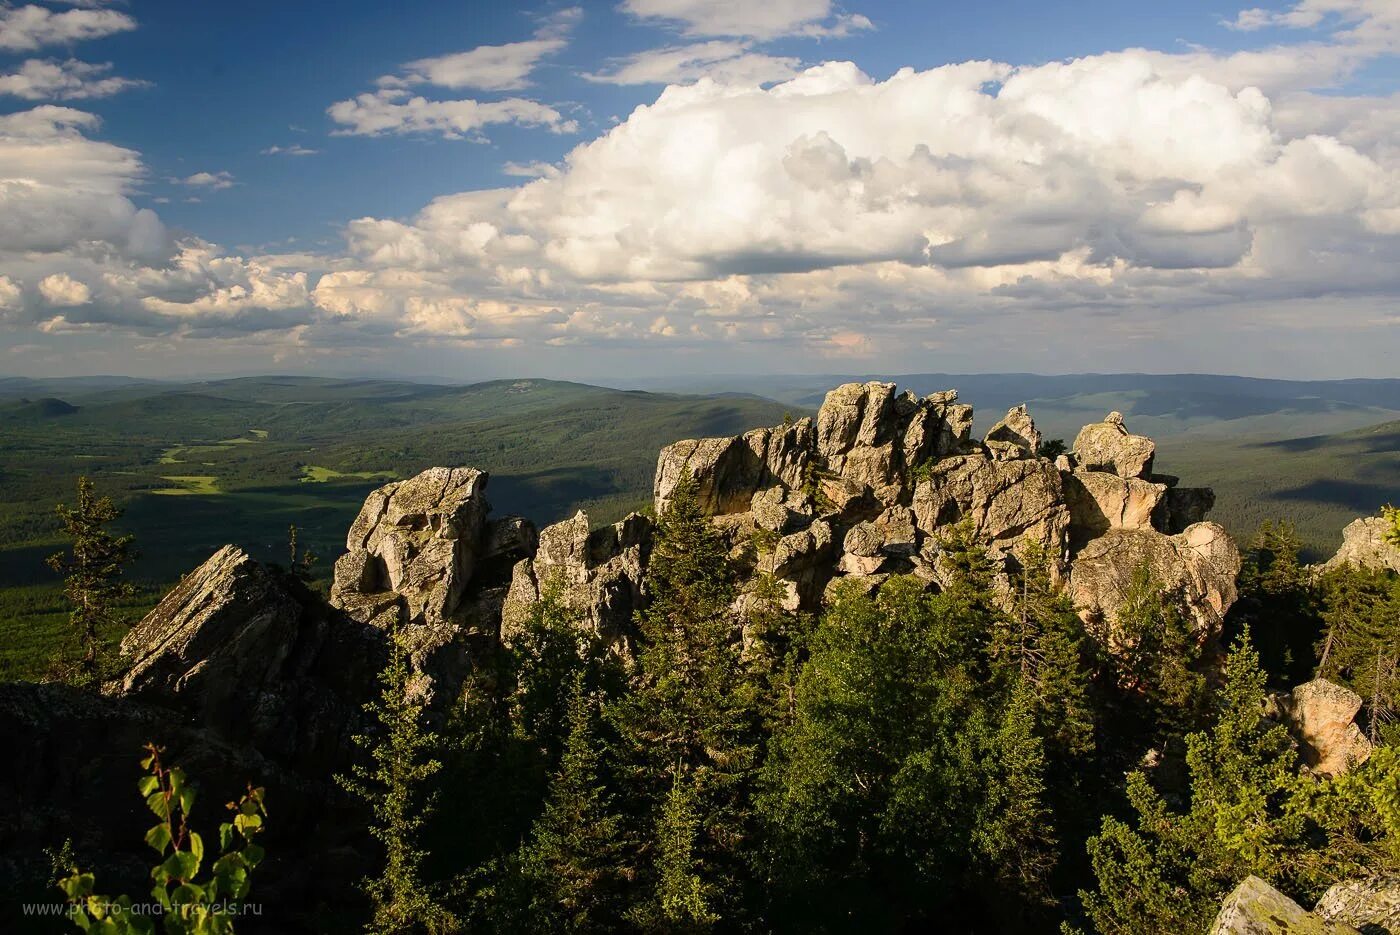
(1127,185)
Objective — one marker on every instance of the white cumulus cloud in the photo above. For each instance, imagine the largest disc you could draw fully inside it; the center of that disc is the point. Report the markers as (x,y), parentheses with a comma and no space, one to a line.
(63,290)
(25,28)
(71,80)
(395,111)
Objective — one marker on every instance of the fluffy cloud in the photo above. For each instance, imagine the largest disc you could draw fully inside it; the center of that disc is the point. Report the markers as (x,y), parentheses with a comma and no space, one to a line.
(60,190)
(71,80)
(63,291)
(215,181)
(485,68)
(766,20)
(973,209)
(726,61)
(25,28)
(395,111)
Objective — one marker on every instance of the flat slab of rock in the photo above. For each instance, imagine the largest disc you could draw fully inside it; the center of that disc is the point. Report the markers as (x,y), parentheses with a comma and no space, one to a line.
(1099,501)
(1370,905)
(1256,908)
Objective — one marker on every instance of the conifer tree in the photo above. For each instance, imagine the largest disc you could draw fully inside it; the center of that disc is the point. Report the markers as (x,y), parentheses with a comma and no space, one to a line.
(1042,643)
(682,896)
(395,785)
(1278,601)
(93,582)
(692,718)
(576,860)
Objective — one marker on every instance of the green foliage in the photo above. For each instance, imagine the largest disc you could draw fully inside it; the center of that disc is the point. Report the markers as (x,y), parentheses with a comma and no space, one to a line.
(93,583)
(1279,604)
(1360,645)
(1249,811)
(1052,448)
(395,784)
(1157,659)
(188,903)
(575,863)
(1391,515)
(692,718)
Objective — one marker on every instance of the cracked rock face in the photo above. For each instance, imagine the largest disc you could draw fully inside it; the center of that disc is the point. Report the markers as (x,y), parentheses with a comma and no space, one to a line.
(1099,501)
(1369,905)
(251,653)
(1201,564)
(599,574)
(413,548)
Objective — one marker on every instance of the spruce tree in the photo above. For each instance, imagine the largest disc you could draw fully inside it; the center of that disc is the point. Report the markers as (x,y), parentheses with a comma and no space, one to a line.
(692,718)
(395,784)
(1278,601)
(576,859)
(93,582)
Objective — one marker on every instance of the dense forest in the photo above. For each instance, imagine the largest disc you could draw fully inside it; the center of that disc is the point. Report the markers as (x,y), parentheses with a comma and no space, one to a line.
(966,760)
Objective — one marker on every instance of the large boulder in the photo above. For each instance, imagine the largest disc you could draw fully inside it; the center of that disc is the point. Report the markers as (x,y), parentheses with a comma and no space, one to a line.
(1006,503)
(1321,716)
(1107,446)
(1015,436)
(413,549)
(1371,905)
(1364,545)
(597,574)
(1256,908)
(729,471)
(251,653)
(1099,501)
(1200,564)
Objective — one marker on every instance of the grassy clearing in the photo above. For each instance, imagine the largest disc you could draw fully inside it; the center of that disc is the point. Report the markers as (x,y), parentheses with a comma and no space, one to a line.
(318,474)
(206,484)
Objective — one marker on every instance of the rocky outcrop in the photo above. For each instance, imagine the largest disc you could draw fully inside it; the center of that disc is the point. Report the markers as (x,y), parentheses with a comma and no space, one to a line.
(250,653)
(1364,545)
(1321,717)
(1099,501)
(1256,908)
(1006,503)
(598,574)
(1370,905)
(870,488)
(729,471)
(1107,446)
(1014,437)
(1200,565)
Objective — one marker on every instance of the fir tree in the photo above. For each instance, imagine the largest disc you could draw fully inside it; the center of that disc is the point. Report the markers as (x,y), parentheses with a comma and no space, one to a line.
(692,717)
(93,583)
(395,784)
(1278,602)
(576,858)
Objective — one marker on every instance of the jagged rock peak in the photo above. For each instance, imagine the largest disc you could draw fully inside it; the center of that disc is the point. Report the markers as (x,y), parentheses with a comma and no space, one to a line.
(255,655)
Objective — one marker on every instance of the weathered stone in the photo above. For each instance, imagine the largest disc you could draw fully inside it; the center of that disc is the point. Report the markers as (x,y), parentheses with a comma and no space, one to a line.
(1364,545)
(1200,563)
(1007,503)
(419,540)
(1369,905)
(596,573)
(1107,446)
(854,416)
(1256,908)
(728,472)
(1015,436)
(806,559)
(1099,502)
(1321,716)
(251,653)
